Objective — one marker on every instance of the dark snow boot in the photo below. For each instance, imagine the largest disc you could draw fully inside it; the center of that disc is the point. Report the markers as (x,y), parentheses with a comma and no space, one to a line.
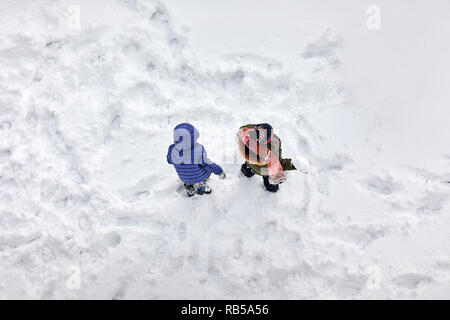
(190,190)
(247,171)
(203,188)
(270,187)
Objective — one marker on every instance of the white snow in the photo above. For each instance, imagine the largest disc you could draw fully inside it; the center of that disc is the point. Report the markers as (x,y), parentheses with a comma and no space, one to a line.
(90,209)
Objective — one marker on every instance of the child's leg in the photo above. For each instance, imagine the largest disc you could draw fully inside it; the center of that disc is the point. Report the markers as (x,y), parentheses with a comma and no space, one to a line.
(270,187)
(246,170)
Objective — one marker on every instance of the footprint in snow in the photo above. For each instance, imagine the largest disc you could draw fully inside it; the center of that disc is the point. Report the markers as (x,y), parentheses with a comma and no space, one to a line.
(115,123)
(182,233)
(432,204)
(411,280)
(264,231)
(237,250)
(127,221)
(380,186)
(111,240)
(84,224)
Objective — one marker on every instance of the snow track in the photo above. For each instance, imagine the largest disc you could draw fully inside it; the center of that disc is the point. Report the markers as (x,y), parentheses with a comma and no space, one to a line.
(89,208)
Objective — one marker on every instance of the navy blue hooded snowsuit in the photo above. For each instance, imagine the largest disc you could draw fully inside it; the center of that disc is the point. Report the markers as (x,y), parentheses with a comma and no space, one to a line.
(189,157)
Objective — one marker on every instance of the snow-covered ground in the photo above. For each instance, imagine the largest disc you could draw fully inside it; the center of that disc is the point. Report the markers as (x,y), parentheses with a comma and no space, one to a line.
(90,92)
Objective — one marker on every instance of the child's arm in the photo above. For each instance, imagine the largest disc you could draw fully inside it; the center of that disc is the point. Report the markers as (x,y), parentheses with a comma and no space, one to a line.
(209,165)
(169,154)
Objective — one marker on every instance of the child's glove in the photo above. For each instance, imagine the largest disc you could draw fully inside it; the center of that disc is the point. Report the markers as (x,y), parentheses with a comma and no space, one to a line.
(222,175)
(303,164)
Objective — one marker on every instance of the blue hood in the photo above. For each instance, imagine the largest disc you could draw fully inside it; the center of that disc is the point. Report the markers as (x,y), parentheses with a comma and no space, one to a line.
(185,138)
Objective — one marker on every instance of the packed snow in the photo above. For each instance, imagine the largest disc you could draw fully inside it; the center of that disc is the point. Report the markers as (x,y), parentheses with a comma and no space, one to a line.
(90,92)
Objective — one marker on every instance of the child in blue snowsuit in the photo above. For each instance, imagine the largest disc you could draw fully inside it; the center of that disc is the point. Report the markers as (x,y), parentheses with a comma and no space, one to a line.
(190,160)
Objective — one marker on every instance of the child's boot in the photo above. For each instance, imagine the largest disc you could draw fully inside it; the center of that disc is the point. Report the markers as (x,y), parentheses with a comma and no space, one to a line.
(270,187)
(190,189)
(246,170)
(203,188)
